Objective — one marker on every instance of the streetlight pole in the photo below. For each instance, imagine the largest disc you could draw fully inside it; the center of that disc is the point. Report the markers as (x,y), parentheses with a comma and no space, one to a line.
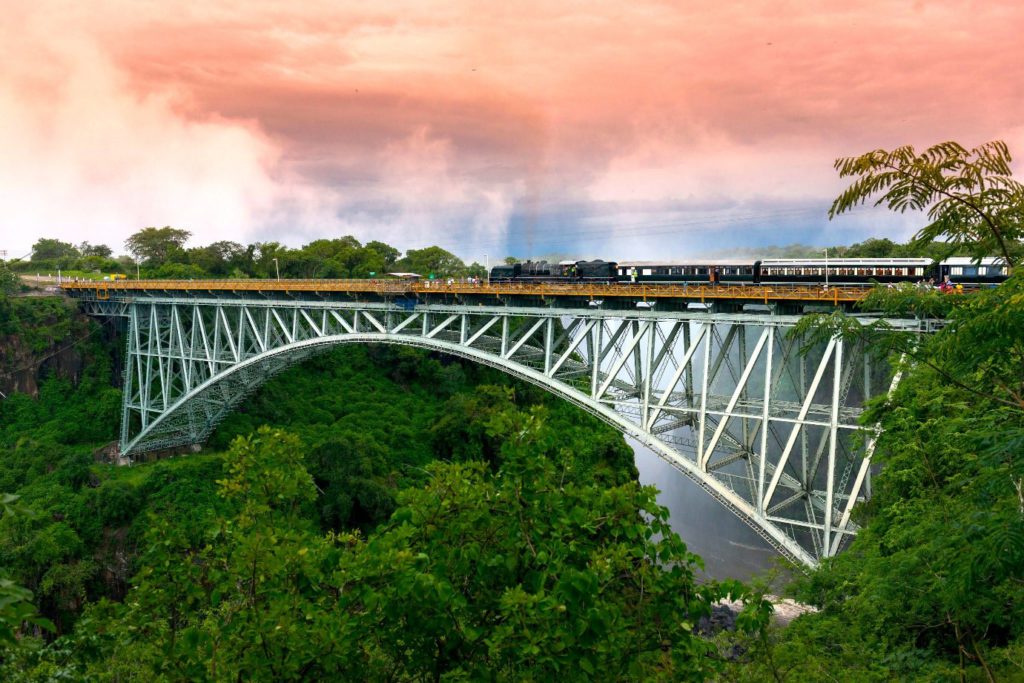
(277,269)
(138,276)
(487,268)
(826,267)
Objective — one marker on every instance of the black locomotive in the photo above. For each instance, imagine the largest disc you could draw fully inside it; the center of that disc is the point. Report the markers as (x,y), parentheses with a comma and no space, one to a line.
(564,271)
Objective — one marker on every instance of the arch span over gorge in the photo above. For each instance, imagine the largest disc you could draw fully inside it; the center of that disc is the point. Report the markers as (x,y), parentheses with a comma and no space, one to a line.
(728,399)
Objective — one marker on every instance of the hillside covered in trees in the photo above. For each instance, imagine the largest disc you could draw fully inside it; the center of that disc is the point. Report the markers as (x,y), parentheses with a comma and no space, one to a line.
(385,514)
(375,513)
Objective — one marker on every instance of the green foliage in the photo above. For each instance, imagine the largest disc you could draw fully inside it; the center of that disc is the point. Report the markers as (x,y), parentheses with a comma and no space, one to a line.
(519,574)
(47,249)
(255,567)
(157,245)
(431,261)
(970,196)
(933,586)
(374,417)
(35,325)
(8,281)
(16,609)
(388,254)
(97,250)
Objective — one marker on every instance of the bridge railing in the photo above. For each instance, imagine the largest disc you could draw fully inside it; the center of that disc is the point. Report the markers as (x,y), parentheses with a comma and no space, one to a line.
(590,290)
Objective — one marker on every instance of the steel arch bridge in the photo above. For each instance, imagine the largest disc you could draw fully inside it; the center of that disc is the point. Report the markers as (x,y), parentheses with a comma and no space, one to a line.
(731,400)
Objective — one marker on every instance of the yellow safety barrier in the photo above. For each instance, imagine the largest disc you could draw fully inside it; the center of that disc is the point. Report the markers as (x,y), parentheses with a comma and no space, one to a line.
(702,292)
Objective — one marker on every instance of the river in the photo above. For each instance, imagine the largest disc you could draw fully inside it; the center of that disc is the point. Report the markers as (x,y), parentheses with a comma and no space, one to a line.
(729,547)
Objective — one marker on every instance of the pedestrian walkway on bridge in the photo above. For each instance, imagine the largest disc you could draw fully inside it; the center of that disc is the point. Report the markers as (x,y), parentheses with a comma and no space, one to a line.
(704,293)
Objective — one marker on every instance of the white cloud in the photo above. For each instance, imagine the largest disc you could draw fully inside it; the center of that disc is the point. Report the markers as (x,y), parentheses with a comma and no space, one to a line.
(87,158)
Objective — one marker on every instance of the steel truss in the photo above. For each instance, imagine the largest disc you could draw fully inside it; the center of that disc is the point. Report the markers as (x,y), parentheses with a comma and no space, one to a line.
(730,400)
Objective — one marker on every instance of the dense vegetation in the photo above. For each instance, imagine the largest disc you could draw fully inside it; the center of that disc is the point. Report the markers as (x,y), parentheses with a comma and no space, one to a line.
(933,587)
(161,253)
(467,522)
(383,514)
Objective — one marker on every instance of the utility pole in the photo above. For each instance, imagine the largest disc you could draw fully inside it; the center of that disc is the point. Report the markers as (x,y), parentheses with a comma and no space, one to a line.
(487,267)
(277,269)
(826,267)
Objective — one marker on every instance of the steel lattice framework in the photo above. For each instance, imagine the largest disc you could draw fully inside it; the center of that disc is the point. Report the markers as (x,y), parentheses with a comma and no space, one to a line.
(731,400)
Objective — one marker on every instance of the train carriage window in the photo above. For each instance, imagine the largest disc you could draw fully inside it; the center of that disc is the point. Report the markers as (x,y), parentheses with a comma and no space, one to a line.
(676,271)
(919,271)
(956,270)
(702,271)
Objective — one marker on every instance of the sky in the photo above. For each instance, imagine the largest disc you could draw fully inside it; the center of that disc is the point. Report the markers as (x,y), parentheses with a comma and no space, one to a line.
(588,129)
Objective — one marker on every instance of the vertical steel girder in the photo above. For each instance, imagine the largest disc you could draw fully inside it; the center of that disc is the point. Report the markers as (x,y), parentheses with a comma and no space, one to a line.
(724,398)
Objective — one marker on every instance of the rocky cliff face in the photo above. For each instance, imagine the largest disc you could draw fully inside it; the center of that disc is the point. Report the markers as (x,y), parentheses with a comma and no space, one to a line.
(42,337)
(22,367)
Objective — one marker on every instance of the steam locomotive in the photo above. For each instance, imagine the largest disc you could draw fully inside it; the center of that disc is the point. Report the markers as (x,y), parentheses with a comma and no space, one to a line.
(843,271)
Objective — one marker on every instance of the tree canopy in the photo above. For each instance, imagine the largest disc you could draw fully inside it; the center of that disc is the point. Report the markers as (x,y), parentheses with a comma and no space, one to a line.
(156,245)
(432,261)
(969,195)
(53,249)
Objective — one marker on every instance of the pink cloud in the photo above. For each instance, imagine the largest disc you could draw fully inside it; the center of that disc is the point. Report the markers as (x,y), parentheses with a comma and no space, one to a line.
(414,116)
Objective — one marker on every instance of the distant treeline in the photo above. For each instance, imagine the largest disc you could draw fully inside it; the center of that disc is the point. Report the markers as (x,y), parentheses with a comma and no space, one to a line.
(161,253)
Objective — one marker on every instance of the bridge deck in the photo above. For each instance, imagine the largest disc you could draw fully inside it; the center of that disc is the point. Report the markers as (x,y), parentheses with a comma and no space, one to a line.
(750,293)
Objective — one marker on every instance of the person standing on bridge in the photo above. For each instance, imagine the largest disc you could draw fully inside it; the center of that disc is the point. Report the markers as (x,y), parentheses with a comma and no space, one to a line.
(632,275)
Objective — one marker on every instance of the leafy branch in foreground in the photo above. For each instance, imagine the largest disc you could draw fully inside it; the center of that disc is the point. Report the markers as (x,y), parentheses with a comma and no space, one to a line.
(16,607)
(969,195)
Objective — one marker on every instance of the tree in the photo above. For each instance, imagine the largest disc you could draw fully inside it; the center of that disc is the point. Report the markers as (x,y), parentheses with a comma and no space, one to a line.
(969,195)
(52,250)
(872,247)
(16,608)
(475,269)
(511,260)
(157,245)
(261,256)
(388,253)
(101,250)
(432,260)
(932,588)
(8,280)
(219,258)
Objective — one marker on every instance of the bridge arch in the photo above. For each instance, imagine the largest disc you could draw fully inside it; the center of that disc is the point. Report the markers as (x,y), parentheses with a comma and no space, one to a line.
(727,400)
(294,354)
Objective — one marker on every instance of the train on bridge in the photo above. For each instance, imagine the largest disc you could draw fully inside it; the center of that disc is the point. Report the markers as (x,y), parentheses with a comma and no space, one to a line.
(842,271)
